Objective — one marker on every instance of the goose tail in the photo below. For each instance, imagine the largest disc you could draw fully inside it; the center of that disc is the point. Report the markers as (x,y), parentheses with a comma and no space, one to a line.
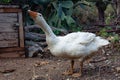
(101,42)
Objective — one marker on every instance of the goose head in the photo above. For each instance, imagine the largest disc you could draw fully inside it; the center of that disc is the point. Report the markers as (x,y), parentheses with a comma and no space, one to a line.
(37,17)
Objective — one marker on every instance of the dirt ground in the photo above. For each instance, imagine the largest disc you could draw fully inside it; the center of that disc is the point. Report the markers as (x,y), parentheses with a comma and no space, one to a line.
(49,67)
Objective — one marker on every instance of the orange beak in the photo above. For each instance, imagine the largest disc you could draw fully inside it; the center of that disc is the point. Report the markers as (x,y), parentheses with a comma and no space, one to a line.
(32,14)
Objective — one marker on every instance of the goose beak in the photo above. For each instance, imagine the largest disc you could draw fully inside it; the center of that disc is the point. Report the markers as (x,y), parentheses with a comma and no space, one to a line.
(32,14)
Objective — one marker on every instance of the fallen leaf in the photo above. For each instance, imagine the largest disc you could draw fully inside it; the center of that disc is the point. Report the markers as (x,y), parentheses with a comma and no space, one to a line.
(38,64)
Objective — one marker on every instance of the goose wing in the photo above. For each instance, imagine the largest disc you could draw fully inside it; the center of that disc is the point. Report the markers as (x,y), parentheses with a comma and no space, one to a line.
(80,37)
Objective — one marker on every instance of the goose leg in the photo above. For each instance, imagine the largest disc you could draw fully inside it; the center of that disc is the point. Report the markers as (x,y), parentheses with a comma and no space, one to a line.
(72,65)
(80,72)
(69,72)
(81,67)
(87,58)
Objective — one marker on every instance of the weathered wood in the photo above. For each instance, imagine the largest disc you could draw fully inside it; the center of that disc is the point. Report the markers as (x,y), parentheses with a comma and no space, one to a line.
(6,27)
(11,30)
(42,44)
(13,54)
(33,37)
(7,21)
(38,34)
(9,43)
(8,17)
(34,50)
(21,33)
(8,36)
(2,50)
(31,43)
(9,6)
(32,27)
(10,10)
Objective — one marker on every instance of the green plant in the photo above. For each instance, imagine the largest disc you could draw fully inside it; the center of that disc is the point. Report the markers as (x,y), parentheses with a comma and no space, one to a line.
(57,13)
(67,14)
(110,14)
(5,1)
(61,15)
(103,32)
(64,14)
(115,38)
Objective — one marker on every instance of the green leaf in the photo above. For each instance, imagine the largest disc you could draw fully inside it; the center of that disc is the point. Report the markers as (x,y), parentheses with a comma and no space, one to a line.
(55,5)
(68,11)
(67,4)
(41,1)
(63,16)
(53,19)
(69,20)
(82,6)
(59,23)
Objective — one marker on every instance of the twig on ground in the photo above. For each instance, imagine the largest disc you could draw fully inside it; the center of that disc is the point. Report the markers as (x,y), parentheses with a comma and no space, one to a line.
(100,60)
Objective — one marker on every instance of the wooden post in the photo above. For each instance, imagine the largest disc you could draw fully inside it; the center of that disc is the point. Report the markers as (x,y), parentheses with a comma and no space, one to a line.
(21,33)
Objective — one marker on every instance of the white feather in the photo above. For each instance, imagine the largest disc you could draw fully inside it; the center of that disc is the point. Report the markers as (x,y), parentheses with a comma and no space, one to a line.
(74,45)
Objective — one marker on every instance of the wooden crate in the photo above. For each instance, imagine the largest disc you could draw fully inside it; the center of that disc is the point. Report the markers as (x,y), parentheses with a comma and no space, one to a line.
(11,31)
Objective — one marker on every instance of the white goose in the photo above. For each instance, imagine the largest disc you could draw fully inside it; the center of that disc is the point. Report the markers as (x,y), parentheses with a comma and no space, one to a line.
(76,45)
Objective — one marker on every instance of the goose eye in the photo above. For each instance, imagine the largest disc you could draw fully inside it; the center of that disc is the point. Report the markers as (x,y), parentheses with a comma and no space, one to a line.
(40,15)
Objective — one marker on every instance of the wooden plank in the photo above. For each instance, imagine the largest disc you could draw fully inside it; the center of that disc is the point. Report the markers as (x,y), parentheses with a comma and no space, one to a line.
(21,33)
(12,54)
(9,43)
(8,36)
(8,27)
(8,6)
(3,50)
(8,17)
(8,33)
(7,21)
(10,10)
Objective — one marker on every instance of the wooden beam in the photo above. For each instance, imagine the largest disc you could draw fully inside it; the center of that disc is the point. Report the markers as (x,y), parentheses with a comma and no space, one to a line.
(10,10)
(114,30)
(3,50)
(21,31)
